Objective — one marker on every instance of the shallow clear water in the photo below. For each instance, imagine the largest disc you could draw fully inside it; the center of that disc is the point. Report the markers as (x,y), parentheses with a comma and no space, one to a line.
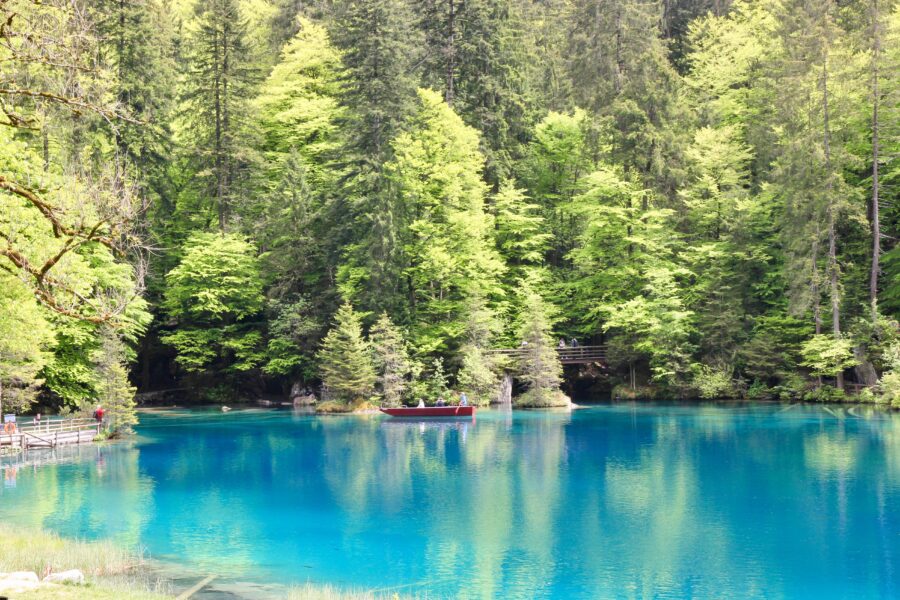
(609,502)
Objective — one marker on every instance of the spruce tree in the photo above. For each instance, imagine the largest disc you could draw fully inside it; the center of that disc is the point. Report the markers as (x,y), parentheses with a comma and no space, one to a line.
(476,54)
(391,359)
(114,392)
(540,368)
(620,71)
(345,360)
(137,43)
(378,50)
(478,368)
(219,81)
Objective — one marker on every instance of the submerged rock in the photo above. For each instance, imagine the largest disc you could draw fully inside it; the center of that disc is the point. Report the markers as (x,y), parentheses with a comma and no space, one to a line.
(72,576)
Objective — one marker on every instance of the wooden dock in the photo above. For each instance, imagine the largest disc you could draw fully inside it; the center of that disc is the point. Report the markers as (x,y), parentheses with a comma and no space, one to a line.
(51,434)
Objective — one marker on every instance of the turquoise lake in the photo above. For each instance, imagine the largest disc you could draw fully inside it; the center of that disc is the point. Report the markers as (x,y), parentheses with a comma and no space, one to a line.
(613,501)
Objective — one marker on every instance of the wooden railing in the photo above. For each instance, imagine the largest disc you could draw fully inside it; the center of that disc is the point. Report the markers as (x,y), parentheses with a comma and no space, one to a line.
(51,433)
(568,355)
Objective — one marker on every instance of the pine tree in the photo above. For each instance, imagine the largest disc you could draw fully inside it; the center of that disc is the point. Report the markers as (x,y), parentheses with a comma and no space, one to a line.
(136,41)
(809,168)
(620,71)
(378,49)
(478,368)
(540,367)
(391,359)
(219,80)
(345,360)
(114,392)
(476,54)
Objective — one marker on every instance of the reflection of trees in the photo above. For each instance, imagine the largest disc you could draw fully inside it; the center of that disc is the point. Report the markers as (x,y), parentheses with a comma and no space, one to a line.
(623,502)
(110,499)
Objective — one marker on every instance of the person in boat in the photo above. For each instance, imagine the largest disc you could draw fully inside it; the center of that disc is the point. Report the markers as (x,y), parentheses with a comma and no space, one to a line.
(463,399)
(421,404)
(440,401)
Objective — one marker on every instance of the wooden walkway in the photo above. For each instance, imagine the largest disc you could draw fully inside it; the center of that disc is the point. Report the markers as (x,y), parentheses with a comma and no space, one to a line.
(569,355)
(51,434)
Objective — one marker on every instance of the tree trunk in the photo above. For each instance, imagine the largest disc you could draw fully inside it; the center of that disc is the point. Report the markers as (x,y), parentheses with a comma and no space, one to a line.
(832,234)
(451,51)
(876,225)
(220,188)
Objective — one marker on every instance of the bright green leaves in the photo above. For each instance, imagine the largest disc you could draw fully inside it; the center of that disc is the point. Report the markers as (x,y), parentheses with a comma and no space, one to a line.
(298,103)
(446,242)
(213,292)
(217,280)
(825,355)
(26,339)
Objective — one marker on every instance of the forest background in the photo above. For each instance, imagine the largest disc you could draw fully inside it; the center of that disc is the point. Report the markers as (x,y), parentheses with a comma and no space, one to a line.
(241,197)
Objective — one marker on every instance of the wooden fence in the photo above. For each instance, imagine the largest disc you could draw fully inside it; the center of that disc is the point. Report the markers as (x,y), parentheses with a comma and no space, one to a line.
(50,433)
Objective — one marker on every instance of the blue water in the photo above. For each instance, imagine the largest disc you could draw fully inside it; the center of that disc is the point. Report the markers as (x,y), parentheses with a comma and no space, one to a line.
(609,502)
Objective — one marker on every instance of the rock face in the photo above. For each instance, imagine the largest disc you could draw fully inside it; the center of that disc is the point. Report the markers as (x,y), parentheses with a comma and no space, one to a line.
(301,396)
(73,576)
(18,582)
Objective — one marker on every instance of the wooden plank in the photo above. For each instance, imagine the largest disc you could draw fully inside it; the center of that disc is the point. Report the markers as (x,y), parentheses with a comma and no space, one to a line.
(187,594)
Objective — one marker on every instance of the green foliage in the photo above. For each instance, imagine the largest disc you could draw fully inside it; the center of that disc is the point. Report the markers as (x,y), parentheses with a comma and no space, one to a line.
(540,366)
(695,188)
(292,329)
(477,375)
(715,382)
(213,293)
(26,339)
(446,242)
(221,75)
(217,280)
(345,360)
(890,381)
(826,356)
(391,360)
(114,392)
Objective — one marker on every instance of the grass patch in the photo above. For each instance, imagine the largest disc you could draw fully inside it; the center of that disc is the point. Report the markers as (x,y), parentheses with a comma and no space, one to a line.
(116,574)
(88,592)
(111,571)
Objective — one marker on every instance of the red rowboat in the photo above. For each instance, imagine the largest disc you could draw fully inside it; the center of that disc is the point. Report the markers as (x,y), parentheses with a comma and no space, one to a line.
(431,411)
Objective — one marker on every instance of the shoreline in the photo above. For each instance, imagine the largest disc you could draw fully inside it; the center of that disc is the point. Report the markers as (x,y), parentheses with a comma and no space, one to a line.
(113,573)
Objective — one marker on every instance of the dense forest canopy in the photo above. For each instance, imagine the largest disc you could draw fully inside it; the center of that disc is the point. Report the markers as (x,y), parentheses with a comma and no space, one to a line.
(241,196)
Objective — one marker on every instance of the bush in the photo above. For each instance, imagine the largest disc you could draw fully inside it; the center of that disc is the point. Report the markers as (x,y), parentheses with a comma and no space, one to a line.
(759,391)
(543,398)
(825,393)
(641,392)
(712,383)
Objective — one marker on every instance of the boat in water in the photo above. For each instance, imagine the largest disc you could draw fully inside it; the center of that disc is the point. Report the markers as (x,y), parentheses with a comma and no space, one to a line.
(431,411)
